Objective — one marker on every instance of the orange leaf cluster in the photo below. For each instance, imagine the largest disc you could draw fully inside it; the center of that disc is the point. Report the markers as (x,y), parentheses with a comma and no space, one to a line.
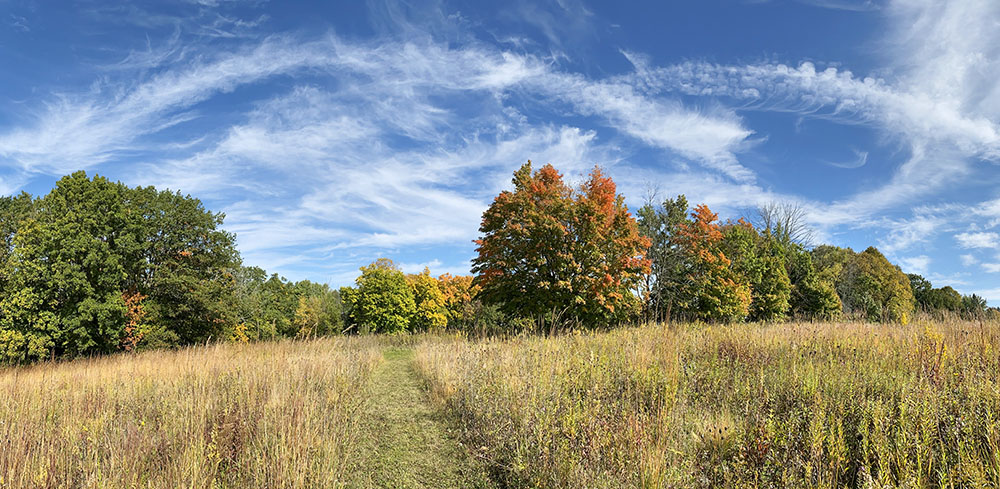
(134,314)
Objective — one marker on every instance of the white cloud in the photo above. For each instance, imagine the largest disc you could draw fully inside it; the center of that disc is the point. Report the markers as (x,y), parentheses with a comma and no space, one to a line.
(395,80)
(905,233)
(968,260)
(710,138)
(978,240)
(853,5)
(937,97)
(915,264)
(991,295)
(84,130)
(991,267)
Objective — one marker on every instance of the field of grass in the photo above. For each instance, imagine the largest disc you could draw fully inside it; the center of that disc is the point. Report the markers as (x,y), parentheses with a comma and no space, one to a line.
(782,405)
(785,405)
(281,414)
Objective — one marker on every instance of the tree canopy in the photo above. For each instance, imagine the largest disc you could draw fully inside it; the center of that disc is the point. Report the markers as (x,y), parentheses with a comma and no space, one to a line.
(560,254)
(96,266)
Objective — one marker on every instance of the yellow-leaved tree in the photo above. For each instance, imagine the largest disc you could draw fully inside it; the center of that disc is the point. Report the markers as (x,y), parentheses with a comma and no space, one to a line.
(431,314)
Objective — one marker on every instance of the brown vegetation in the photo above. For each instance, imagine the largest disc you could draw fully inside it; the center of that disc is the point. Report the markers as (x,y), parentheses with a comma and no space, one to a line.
(783,405)
(281,414)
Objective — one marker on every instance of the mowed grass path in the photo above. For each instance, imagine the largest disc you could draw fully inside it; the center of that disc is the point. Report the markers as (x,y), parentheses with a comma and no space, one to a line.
(408,443)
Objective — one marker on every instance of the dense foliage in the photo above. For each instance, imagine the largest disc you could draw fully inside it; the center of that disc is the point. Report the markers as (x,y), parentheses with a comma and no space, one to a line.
(559,254)
(96,266)
(713,289)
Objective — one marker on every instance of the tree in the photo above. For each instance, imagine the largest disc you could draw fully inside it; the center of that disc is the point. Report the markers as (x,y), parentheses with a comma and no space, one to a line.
(559,254)
(713,291)
(877,289)
(82,259)
(943,299)
(973,306)
(784,221)
(668,270)
(325,303)
(759,261)
(813,295)
(932,299)
(829,263)
(308,316)
(460,303)
(175,252)
(382,301)
(430,313)
(921,289)
(64,276)
(13,211)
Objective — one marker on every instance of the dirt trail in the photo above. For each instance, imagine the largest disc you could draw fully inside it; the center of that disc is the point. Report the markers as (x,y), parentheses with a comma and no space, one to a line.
(408,442)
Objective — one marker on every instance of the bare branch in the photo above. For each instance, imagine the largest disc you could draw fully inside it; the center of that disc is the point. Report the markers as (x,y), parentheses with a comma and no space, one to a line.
(786,221)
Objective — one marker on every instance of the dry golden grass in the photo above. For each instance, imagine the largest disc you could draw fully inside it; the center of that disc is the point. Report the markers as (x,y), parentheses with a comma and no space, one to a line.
(784,405)
(262,415)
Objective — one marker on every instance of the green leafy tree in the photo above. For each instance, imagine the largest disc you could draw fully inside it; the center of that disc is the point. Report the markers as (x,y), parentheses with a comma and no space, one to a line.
(73,258)
(382,301)
(270,307)
(325,305)
(813,295)
(64,274)
(13,211)
(973,306)
(932,299)
(943,299)
(921,289)
(759,260)
(176,253)
(875,288)
(668,268)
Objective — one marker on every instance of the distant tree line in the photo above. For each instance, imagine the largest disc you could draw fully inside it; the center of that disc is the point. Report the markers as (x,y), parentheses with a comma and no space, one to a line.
(95,267)
(554,257)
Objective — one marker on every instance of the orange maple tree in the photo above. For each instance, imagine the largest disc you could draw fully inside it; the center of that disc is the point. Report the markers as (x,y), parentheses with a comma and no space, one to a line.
(561,254)
(712,291)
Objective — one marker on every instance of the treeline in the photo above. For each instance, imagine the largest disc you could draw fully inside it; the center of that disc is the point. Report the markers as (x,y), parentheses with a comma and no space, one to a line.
(554,257)
(95,267)
(574,257)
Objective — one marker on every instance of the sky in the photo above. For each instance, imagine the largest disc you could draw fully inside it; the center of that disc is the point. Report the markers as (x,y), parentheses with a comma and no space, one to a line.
(334,133)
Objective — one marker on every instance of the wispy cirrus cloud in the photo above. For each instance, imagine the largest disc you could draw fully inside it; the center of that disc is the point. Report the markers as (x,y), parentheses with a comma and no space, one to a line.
(369,148)
(326,148)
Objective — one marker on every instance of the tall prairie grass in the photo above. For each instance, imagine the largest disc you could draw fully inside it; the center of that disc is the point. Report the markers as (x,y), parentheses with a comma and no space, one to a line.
(278,414)
(783,405)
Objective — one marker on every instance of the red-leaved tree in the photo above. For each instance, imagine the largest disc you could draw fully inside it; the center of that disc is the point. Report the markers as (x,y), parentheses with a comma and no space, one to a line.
(712,291)
(561,255)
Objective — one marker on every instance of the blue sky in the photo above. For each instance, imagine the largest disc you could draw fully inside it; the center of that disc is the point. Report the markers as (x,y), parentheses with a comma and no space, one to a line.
(333,133)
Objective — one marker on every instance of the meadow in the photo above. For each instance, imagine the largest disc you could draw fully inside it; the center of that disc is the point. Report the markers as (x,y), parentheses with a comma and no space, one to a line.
(746,405)
(278,414)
